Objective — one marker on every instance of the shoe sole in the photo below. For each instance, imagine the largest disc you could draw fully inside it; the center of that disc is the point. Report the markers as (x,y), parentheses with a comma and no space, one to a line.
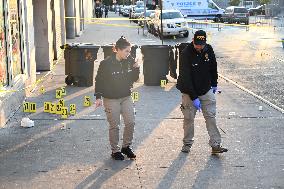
(218,152)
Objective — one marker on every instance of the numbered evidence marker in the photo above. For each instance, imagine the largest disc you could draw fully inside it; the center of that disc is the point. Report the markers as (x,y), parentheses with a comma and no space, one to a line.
(42,90)
(26,107)
(64,113)
(52,108)
(58,109)
(61,102)
(46,107)
(163,83)
(58,94)
(63,89)
(29,107)
(135,96)
(72,109)
(87,101)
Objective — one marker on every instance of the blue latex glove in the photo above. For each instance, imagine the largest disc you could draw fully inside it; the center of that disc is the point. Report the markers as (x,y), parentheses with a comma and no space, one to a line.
(197,104)
(214,89)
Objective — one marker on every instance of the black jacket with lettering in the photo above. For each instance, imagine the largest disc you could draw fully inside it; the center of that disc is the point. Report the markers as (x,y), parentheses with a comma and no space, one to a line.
(198,71)
(115,78)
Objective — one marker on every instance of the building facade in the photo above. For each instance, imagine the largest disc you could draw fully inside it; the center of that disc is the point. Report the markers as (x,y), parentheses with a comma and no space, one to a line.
(31,33)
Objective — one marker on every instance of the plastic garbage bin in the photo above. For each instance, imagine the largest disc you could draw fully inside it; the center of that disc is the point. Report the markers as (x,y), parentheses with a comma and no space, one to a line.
(155,63)
(108,49)
(79,63)
(282,42)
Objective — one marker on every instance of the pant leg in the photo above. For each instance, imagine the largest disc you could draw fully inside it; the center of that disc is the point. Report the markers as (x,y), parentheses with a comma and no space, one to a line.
(208,105)
(189,112)
(129,121)
(112,109)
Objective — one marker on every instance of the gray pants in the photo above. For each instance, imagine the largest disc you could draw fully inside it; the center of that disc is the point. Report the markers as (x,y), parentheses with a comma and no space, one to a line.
(113,109)
(208,106)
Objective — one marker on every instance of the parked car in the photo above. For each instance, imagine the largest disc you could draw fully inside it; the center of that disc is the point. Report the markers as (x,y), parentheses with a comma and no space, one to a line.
(259,10)
(147,17)
(174,23)
(136,13)
(235,14)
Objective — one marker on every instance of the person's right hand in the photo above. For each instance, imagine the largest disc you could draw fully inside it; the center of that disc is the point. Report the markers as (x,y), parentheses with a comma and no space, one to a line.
(197,104)
(98,103)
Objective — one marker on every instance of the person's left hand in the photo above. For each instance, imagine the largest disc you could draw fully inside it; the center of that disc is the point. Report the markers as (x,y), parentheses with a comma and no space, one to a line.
(214,89)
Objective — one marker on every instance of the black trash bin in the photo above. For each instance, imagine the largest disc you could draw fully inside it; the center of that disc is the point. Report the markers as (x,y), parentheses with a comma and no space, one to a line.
(79,63)
(108,49)
(156,60)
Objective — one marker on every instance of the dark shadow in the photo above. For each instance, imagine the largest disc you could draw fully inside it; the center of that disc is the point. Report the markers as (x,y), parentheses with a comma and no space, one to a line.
(212,171)
(105,172)
(170,177)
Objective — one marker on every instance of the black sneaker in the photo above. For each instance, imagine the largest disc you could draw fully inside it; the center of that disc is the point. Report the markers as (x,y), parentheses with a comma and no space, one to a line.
(218,149)
(128,152)
(117,156)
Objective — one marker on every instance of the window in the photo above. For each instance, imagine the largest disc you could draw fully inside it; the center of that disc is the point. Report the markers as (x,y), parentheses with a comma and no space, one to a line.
(172,15)
(3,56)
(15,38)
(240,10)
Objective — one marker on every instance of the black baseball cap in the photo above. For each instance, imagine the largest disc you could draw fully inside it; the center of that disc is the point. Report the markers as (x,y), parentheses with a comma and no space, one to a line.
(200,37)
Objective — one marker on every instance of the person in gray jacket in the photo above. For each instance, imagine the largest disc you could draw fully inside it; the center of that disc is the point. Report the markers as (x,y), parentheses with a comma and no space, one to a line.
(114,80)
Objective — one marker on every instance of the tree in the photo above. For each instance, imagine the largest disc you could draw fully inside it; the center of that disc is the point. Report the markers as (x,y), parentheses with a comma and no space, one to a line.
(234,2)
(262,2)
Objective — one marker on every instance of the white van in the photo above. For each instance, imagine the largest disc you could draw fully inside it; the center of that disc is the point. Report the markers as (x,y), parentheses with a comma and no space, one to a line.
(193,8)
(173,23)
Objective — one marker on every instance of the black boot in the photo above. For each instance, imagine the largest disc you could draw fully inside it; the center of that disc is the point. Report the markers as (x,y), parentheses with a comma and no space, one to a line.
(117,156)
(128,152)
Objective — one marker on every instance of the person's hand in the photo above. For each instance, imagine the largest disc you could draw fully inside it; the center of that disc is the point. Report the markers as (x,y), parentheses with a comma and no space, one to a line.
(214,89)
(136,65)
(98,103)
(197,104)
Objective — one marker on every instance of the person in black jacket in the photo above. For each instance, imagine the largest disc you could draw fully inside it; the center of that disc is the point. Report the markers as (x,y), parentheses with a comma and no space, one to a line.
(114,80)
(198,84)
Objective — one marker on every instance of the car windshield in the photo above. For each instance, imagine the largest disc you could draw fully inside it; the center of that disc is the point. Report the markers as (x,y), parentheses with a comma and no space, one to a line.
(148,13)
(172,15)
(139,10)
(240,10)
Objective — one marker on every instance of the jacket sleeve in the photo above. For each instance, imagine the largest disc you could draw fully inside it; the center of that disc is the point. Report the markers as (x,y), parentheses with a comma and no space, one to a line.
(213,68)
(99,80)
(184,83)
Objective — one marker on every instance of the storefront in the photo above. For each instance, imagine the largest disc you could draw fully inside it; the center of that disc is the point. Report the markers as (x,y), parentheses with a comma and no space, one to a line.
(10,61)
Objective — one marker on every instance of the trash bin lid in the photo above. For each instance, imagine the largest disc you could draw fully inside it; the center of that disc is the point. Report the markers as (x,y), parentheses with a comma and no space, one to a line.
(87,45)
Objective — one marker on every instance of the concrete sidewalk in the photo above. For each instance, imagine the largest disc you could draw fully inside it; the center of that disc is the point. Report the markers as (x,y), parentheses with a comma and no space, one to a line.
(50,155)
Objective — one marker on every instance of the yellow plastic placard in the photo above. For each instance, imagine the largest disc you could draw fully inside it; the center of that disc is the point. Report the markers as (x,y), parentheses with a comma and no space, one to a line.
(46,107)
(63,89)
(64,113)
(58,109)
(52,108)
(87,101)
(61,102)
(26,107)
(42,90)
(32,107)
(135,96)
(72,109)
(58,94)
(163,83)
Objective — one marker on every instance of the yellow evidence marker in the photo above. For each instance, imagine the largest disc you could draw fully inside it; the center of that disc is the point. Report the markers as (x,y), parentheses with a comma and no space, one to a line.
(72,109)
(163,83)
(59,109)
(46,107)
(32,107)
(53,108)
(135,96)
(61,102)
(26,107)
(87,101)
(64,113)
(58,94)
(42,90)
(63,89)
